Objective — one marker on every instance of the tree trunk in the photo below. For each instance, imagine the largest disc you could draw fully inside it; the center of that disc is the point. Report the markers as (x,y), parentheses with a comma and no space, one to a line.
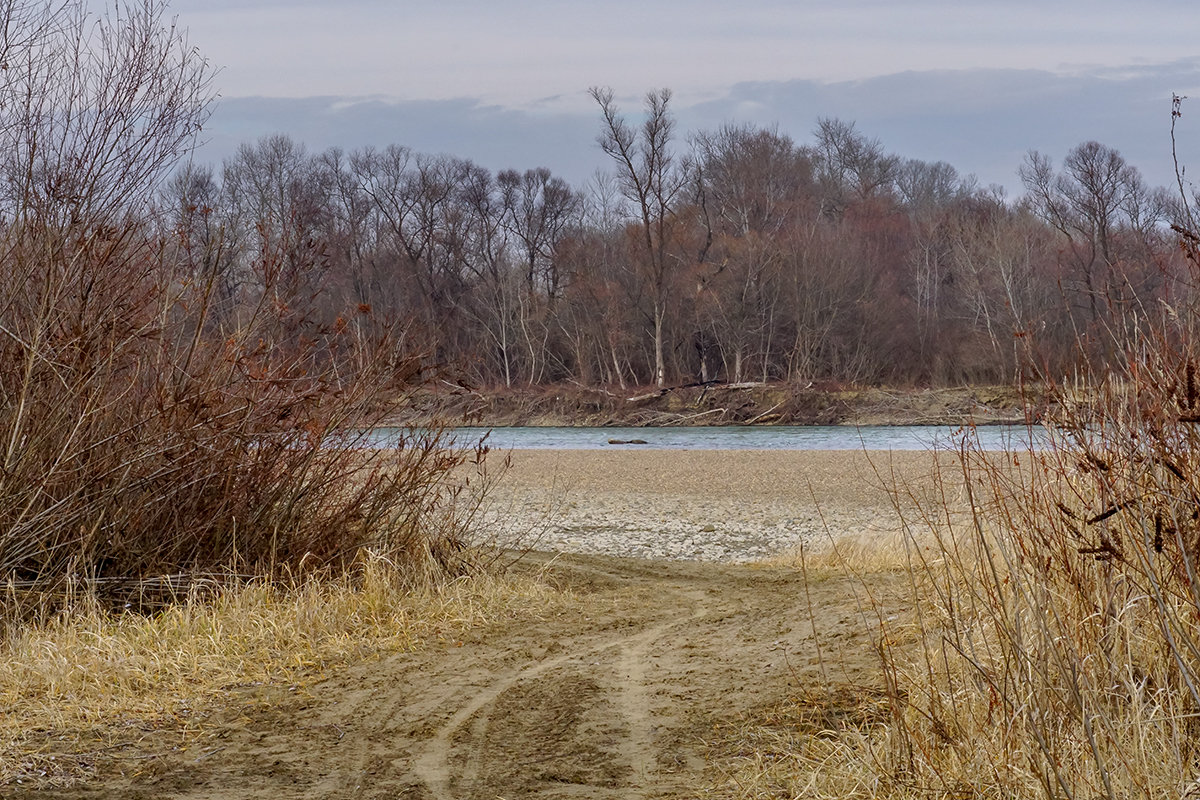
(660,377)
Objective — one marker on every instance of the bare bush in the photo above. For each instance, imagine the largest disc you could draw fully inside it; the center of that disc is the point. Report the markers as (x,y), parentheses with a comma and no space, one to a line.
(142,434)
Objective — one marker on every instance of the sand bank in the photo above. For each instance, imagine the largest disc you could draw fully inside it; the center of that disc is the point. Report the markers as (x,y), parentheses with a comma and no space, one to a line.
(702,504)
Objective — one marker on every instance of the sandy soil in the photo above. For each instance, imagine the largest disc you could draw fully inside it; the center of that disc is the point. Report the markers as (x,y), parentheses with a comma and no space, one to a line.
(706,505)
(634,691)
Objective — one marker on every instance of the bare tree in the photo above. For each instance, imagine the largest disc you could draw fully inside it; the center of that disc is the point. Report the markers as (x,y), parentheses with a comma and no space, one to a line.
(925,185)
(931,194)
(1096,202)
(282,202)
(414,197)
(651,178)
(755,185)
(538,208)
(94,111)
(850,165)
(497,301)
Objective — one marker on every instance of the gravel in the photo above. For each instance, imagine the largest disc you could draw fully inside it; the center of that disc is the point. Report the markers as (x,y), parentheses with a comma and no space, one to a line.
(711,505)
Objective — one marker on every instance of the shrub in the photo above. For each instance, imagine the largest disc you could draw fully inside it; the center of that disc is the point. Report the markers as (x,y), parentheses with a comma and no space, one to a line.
(145,438)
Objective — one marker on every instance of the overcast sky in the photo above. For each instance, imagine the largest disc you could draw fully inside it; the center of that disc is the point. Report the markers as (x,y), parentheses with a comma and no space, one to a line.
(974,83)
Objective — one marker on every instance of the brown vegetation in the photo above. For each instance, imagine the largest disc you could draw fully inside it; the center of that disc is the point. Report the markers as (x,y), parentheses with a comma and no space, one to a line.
(152,426)
(189,369)
(736,255)
(1057,641)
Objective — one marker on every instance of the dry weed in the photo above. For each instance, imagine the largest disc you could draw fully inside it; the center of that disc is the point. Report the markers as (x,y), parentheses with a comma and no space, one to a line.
(1053,650)
(86,674)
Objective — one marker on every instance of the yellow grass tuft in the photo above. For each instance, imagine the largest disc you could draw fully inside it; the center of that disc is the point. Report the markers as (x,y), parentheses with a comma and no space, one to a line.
(858,554)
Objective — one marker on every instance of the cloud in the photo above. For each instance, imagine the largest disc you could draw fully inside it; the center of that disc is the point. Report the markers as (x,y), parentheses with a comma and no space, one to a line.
(512,52)
(495,137)
(982,121)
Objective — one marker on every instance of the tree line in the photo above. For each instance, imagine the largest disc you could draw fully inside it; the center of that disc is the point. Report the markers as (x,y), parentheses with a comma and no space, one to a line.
(733,254)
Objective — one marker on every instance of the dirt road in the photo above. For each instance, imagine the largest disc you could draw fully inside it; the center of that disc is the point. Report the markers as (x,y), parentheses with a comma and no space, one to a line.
(636,690)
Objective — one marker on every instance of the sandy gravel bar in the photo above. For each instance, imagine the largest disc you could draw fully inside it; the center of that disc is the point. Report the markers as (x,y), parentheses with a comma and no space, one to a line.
(720,505)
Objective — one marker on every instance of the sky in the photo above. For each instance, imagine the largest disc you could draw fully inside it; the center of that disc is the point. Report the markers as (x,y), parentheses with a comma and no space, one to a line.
(977,84)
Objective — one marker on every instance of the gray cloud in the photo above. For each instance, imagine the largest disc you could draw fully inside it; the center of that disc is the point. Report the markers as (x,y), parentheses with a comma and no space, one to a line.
(981,121)
(511,52)
(490,135)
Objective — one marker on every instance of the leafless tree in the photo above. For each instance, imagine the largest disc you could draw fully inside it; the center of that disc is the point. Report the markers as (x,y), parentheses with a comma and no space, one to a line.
(755,185)
(850,165)
(650,177)
(94,111)
(538,209)
(1094,202)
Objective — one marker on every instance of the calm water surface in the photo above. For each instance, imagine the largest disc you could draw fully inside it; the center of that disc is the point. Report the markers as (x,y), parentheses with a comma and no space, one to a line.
(835,437)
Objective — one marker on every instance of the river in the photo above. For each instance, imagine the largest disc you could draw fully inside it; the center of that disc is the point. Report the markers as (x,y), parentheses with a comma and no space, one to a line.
(806,437)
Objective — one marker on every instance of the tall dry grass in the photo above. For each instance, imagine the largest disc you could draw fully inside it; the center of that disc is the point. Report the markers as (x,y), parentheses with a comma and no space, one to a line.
(1053,649)
(1050,644)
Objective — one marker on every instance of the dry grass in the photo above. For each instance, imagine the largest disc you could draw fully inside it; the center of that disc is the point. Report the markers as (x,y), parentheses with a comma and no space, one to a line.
(822,742)
(74,682)
(1053,647)
(813,746)
(858,554)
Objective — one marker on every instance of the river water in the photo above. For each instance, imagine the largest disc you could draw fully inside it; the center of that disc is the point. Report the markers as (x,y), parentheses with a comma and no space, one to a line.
(806,437)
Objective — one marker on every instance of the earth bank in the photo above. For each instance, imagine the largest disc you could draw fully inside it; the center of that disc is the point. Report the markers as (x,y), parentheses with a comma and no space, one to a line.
(722,404)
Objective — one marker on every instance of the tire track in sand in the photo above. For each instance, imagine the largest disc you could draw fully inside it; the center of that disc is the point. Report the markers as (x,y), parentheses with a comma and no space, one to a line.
(627,689)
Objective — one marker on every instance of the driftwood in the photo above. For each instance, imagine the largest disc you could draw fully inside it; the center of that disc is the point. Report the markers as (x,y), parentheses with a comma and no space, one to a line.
(669,389)
(680,419)
(766,415)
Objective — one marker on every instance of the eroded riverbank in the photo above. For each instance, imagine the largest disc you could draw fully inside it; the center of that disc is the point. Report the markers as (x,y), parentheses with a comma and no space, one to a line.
(721,404)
